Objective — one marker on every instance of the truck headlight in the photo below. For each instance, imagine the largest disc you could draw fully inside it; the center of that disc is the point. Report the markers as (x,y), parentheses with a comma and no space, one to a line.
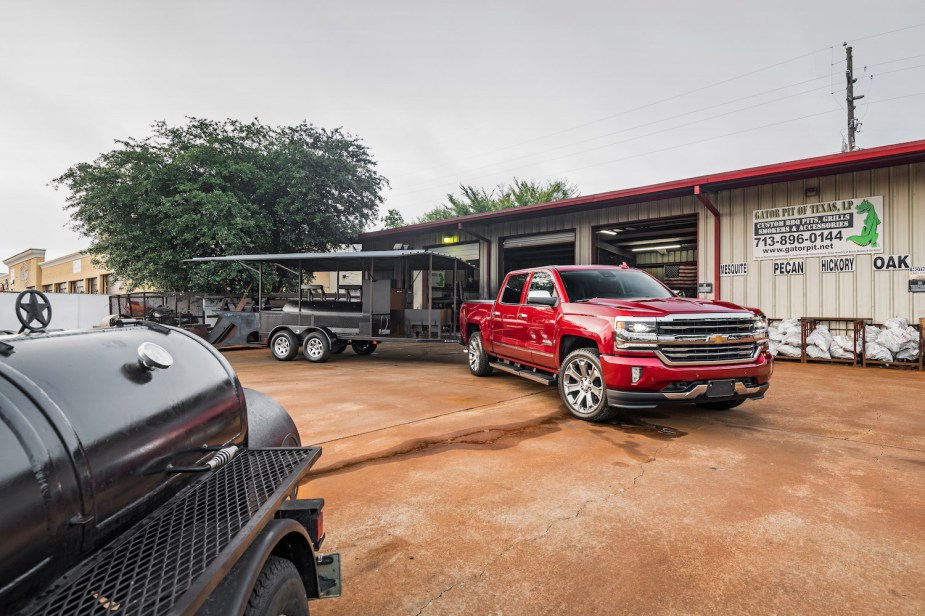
(630,332)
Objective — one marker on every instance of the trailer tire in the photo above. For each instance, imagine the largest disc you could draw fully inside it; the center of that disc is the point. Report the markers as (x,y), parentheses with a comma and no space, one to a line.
(582,387)
(338,346)
(316,347)
(478,358)
(364,347)
(284,345)
(278,591)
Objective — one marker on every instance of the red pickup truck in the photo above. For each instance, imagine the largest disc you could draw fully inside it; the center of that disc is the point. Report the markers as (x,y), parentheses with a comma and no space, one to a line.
(616,337)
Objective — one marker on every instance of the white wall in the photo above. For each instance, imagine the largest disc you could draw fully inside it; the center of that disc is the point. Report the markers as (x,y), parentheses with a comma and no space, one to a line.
(67,311)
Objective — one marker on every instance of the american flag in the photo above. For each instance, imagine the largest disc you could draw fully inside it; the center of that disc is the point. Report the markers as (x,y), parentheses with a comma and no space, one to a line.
(681,276)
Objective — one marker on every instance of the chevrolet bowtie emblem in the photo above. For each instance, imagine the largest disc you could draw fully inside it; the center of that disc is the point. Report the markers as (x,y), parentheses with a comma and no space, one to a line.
(717,338)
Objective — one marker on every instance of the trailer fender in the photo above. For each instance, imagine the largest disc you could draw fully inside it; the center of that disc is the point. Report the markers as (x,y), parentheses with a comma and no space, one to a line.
(268,423)
(285,538)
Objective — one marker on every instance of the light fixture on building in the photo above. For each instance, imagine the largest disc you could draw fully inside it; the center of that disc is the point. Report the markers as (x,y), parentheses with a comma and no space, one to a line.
(449,239)
(607,232)
(654,248)
(812,191)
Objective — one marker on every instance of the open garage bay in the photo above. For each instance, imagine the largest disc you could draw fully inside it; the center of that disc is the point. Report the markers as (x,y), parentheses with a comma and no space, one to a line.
(450,494)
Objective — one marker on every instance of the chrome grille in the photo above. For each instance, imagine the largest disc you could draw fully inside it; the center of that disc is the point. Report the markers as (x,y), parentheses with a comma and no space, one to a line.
(701,328)
(707,353)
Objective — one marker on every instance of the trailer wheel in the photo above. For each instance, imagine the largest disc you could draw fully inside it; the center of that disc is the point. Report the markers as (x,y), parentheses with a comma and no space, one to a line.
(364,347)
(582,387)
(284,345)
(338,346)
(316,348)
(478,358)
(278,591)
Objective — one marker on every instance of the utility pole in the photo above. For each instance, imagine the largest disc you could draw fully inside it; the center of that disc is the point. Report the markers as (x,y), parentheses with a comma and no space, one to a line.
(853,124)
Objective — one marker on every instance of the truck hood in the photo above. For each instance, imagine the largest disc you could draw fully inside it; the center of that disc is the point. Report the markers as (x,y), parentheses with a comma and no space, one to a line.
(668,305)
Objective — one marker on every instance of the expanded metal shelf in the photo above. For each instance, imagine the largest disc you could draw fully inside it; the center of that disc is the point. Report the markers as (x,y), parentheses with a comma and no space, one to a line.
(169,562)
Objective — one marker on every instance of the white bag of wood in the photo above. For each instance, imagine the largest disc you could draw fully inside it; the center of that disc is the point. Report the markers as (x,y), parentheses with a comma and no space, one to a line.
(892,339)
(876,352)
(871,332)
(788,350)
(842,347)
(775,334)
(820,337)
(896,323)
(909,350)
(772,347)
(793,338)
(789,324)
(813,351)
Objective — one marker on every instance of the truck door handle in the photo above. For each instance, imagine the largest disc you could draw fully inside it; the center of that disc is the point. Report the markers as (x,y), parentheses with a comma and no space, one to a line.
(521,315)
(497,314)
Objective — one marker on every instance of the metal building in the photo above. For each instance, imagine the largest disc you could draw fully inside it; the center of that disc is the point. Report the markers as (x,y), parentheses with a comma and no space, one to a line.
(841,235)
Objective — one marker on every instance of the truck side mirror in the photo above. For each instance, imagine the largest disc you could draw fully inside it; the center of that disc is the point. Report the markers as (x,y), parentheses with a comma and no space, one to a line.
(678,293)
(543,298)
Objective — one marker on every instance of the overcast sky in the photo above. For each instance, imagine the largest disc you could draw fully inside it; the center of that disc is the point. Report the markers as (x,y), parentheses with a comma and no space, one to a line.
(606,94)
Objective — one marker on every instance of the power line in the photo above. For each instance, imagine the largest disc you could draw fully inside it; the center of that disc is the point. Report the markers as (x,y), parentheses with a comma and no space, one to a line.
(864,38)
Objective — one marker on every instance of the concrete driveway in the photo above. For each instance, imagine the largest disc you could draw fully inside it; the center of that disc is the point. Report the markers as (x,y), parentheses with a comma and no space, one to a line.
(450,494)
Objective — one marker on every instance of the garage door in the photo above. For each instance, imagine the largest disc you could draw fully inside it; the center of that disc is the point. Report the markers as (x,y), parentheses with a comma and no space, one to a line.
(538,250)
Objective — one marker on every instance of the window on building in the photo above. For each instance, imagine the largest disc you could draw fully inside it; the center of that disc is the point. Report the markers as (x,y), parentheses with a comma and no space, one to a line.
(111,284)
(61,287)
(48,288)
(93,285)
(77,286)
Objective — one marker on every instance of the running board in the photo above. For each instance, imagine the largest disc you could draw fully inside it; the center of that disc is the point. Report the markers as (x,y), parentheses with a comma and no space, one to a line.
(527,373)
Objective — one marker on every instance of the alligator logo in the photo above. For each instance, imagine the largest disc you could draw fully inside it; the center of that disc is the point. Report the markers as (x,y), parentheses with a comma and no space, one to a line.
(869,235)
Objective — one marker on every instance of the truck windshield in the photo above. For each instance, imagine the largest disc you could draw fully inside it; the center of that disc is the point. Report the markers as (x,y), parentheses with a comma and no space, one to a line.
(611,283)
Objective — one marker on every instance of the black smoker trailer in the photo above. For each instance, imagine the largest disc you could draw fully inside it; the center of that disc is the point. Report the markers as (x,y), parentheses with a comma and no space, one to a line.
(402,295)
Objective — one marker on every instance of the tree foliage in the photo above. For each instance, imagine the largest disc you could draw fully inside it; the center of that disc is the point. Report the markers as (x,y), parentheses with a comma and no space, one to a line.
(209,188)
(474,200)
(392,219)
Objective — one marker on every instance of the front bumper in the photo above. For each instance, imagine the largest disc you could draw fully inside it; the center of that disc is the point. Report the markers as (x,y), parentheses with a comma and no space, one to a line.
(661,384)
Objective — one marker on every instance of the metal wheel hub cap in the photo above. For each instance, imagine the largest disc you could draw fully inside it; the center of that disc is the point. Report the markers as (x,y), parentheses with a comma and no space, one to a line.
(281,346)
(314,348)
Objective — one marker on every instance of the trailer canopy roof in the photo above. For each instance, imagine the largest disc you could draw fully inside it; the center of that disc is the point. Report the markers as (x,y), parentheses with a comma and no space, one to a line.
(347,261)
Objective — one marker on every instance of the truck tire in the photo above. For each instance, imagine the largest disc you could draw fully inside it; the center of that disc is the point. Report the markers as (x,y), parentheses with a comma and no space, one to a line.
(478,358)
(720,406)
(284,345)
(316,348)
(338,346)
(582,387)
(278,591)
(363,347)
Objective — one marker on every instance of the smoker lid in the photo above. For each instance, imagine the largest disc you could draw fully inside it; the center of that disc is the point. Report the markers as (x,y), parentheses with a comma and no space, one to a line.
(356,260)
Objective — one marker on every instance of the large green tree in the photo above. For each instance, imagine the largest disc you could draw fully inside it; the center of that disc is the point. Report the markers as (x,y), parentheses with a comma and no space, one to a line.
(474,200)
(208,188)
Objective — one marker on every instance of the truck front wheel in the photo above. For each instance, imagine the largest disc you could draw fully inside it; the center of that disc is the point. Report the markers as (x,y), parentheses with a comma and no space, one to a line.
(278,591)
(582,387)
(478,358)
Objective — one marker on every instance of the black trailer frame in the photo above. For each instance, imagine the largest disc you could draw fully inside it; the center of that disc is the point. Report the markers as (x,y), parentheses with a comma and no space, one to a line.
(369,317)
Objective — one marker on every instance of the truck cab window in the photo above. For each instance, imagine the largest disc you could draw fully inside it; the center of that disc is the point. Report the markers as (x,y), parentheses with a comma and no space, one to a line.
(513,289)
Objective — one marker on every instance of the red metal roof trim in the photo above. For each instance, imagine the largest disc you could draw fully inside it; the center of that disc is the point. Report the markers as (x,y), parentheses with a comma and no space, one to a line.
(829,164)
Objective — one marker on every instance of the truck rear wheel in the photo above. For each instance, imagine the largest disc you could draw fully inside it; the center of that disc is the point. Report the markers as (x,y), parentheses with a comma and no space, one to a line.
(478,358)
(582,387)
(316,348)
(278,591)
(284,345)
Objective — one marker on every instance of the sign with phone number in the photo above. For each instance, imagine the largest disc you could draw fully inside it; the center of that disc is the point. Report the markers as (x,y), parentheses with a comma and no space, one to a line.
(851,226)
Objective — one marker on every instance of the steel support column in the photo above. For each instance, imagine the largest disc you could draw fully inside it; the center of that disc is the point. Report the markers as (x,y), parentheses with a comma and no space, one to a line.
(705,200)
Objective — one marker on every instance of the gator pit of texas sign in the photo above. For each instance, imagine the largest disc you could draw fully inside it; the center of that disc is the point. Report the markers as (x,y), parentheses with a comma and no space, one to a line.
(849,227)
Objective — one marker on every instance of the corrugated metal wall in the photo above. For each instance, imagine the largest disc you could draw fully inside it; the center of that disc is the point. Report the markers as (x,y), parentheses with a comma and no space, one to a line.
(862,293)
(879,295)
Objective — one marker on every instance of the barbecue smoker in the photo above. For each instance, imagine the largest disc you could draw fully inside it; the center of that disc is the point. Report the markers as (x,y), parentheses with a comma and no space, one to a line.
(139,477)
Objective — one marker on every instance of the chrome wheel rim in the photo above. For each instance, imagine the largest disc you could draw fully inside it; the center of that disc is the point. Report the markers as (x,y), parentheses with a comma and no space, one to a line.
(314,348)
(475,352)
(281,346)
(583,386)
